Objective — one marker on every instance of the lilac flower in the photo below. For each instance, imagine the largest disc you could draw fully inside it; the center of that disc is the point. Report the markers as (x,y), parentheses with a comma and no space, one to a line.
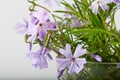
(22,27)
(39,58)
(75,63)
(75,22)
(97,57)
(100,3)
(39,25)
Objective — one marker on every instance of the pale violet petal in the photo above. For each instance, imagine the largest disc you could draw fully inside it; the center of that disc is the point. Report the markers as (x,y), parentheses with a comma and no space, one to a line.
(34,62)
(78,69)
(81,61)
(32,38)
(95,9)
(60,73)
(68,48)
(68,51)
(42,34)
(63,63)
(31,55)
(72,68)
(65,53)
(75,68)
(51,26)
(62,51)
(79,51)
(104,7)
(29,46)
(42,62)
(42,16)
(97,57)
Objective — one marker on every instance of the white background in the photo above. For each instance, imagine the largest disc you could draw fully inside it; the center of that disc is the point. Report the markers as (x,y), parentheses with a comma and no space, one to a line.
(13,61)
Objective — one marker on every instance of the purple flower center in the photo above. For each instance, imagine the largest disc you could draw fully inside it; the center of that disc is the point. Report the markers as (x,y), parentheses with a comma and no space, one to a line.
(41,25)
(73,59)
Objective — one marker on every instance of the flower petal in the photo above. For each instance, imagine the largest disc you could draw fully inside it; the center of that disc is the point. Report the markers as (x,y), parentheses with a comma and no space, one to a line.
(51,26)
(22,27)
(75,68)
(68,51)
(116,1)
(32,38)
(63,63)
(79,51)
(68,48)
(104,7)
(41,62)
(42,34)
(34,62)
(31,55)
(62,51)
(42,16)
(65,53)
(95,9)
(80,61)
(34,20)
(97,57)
(76,23)
(29,46)
(72,68)
(60,73)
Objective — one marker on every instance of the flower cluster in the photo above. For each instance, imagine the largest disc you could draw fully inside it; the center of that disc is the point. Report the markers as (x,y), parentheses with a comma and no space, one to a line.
(86,33)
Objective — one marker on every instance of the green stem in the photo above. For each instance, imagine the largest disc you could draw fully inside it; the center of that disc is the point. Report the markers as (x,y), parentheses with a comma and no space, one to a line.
(47,45)
(43,7)
(35,4)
